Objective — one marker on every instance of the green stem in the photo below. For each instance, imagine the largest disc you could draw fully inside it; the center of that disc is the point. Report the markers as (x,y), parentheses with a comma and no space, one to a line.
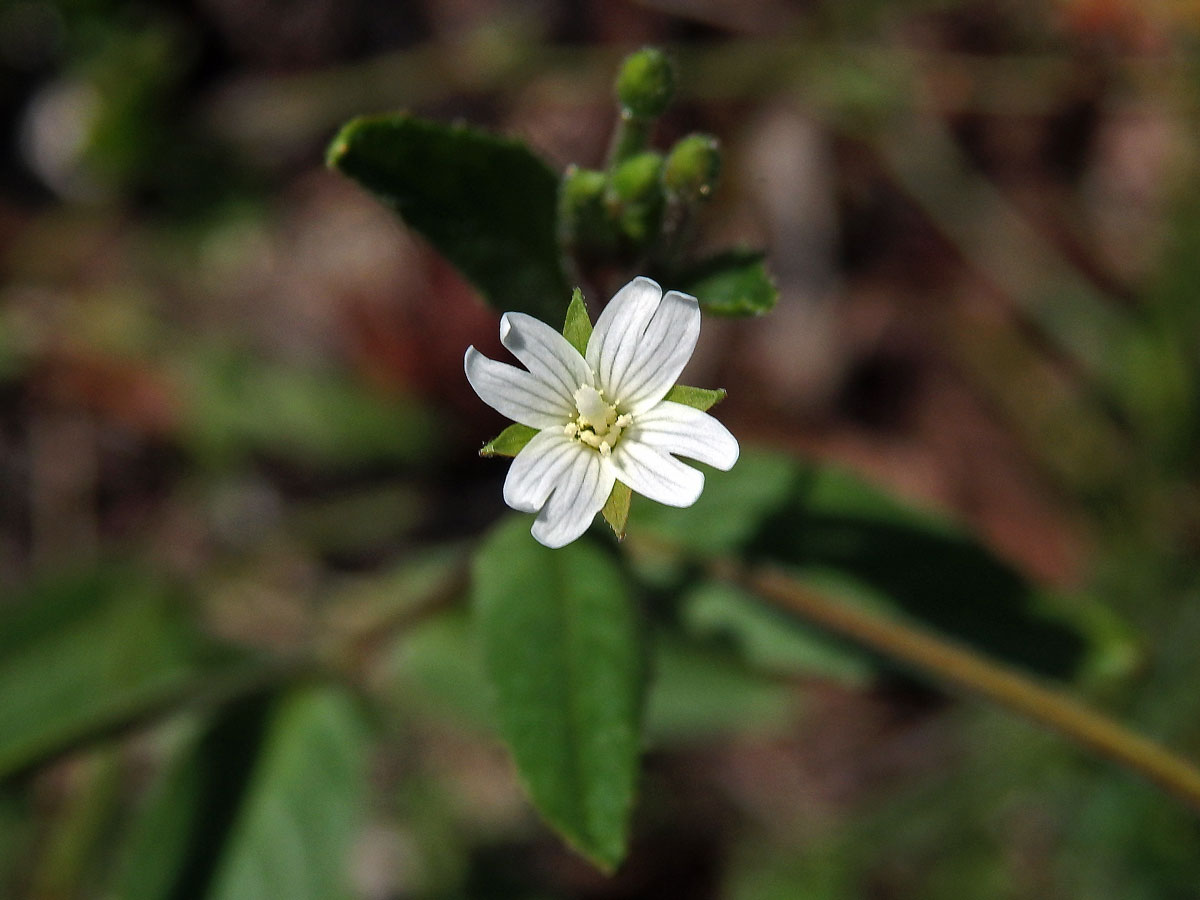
(959,666)
(630,137)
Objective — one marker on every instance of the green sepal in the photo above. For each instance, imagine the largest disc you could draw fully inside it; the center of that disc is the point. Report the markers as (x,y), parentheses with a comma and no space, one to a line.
(577,328)
(616,509)
(509,442)
(702,399)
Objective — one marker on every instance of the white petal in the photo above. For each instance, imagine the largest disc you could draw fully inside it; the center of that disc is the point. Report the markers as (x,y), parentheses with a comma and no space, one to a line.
(660,355)
(546,354)
(578,495)
(539,468)
(676,428)
(516,393)
(655,474)
(620,327)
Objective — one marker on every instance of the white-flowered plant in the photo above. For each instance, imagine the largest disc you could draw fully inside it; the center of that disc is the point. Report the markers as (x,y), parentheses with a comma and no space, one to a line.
(601,417)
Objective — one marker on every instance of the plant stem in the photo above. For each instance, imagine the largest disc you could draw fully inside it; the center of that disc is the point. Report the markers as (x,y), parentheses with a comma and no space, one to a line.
(960,667)
(631,136)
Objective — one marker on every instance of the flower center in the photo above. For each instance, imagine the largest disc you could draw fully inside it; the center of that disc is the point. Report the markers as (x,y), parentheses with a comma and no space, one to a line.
(598,423)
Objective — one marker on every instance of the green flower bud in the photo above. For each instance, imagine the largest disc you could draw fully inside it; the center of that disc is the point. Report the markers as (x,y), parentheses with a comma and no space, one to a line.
(646,83)
(582,213)
(635,197)
(693,166)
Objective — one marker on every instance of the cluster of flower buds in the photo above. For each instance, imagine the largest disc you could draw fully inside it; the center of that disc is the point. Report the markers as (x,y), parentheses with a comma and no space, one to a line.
(639,210)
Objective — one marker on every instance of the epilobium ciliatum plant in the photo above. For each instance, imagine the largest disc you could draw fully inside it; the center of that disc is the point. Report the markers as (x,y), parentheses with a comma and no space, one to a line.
(598,416)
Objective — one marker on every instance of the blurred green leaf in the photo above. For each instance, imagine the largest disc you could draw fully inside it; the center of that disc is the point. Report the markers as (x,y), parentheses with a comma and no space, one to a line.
(562,648)
(841,534)
(768,640)
(733,283)
(487,203)
(264,802)
(509,442)
(303,805)
(89,653)
(703,399)
(235,404)
(699,693)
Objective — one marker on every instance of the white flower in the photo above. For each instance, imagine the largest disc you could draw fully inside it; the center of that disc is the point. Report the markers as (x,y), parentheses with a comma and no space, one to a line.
(602,419)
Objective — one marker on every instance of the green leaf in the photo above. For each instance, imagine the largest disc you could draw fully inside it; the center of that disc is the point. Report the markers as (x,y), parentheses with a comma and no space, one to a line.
(699,693)
(486,203)
(509,442)
(561,643)
(702,399)
(82,655)
(768,640)
(236,404)
(846,537)
(303,806)
(616,509)
(264,803)
(734,283)
(578,327)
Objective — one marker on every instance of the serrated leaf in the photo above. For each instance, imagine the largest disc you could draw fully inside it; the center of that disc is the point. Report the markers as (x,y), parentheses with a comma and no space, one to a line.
(509,442)
(562,649)
(616,509)
(702,399)
(488,204)
(734,283)
(85,654)
(577,328)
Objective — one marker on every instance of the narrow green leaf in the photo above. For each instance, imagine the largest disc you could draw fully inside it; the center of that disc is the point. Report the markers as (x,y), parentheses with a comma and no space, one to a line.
(488,204)
(701,398)
(616,509)
(769,641)
(578,327)
(82,655)
(303,805)
(509,442)
(849,538)
(562,649)
(734,283)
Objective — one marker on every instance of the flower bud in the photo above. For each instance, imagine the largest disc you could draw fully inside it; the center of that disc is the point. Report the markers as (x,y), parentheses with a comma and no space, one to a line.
(583,216)
(646,83)
(635,197)
(693,166)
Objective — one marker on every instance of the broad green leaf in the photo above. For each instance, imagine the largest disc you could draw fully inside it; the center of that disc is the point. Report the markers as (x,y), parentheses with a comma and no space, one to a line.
(561,642)
(734,283)
(616,509)
(578,327)
(509,442)
(82,655)
(488,204)
(702,399)
(303,804)
(841,534)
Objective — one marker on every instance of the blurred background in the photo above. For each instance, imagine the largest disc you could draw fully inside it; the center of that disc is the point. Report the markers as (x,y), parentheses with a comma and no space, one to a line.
(231,394)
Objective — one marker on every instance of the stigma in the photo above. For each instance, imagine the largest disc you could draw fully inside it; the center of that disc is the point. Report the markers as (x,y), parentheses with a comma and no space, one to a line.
(597,423)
